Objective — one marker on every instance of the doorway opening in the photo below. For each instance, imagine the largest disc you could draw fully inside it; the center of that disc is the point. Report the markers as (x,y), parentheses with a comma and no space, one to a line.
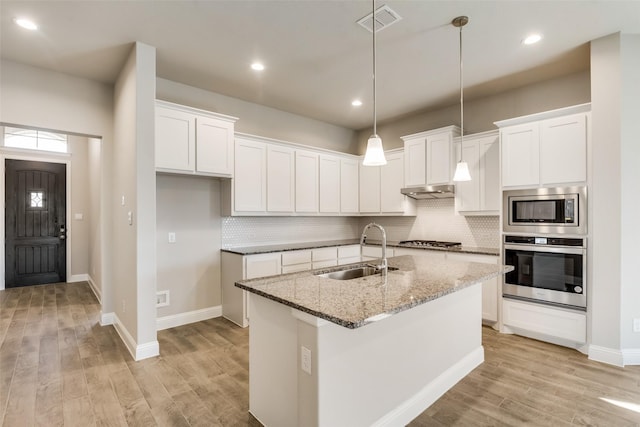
(35,223)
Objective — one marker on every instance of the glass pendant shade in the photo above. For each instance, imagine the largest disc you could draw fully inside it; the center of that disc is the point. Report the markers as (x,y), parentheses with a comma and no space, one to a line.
(462,172)
(374,156)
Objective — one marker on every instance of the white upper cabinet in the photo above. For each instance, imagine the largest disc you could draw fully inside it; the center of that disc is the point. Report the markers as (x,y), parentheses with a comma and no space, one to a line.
(280,178)
(250,177)
(391,181)
(349,184)
(415,153)
(307,181)
(439,158)
(563,149)
(329,184)
(193,141)
(369,189)
(546,148)
(481,195)
(380,188)
(214,146)
(428,157)
(520,155)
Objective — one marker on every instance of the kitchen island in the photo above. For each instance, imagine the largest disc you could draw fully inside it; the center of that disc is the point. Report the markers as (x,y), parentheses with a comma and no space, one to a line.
(373,350)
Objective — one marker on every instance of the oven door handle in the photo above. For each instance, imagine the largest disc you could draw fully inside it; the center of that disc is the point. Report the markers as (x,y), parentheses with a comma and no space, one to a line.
(548,249)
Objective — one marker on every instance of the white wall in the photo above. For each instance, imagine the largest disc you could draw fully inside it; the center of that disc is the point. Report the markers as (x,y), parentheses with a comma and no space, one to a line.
(95,218)
(40,98)
(479,114)
(79,237)
(189,268)
(614,198)
(259,120)
(133,174)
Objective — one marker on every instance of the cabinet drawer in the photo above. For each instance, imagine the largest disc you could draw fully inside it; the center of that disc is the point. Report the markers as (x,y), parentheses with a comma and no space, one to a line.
(324,264)
(553,322)
(296,267)
(375,252)
(348,251)
(324,254)
(349,260)
(295,257)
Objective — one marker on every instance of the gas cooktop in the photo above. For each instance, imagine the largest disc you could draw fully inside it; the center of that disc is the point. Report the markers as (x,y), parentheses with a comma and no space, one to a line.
(430,244)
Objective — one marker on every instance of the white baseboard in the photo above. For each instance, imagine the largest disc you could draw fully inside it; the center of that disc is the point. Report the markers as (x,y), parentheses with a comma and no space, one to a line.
(77,278)
(610,356)
(137,351)
(415,405)
(95,289)
(171,321)
(107,319)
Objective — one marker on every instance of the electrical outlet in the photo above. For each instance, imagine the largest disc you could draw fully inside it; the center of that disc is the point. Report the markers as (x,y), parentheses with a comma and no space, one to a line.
(305,359)
(636,325)
(162,298)
(172,237)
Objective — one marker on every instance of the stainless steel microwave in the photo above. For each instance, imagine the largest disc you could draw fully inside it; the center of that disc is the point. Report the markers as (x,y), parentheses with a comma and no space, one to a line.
(559,210)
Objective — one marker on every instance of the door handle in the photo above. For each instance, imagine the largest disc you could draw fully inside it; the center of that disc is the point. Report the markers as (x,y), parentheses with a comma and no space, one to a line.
(62,234)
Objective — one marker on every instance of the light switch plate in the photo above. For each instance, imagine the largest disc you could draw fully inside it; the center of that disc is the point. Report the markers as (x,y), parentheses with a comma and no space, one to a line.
(636,325)
(172,237)
(305,359)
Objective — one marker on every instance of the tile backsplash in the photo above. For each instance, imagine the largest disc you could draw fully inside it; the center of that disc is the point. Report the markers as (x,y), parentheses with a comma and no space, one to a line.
(435,220)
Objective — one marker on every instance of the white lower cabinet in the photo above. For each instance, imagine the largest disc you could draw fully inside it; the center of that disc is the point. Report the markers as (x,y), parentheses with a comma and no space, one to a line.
(324,257)
(349,254)
(554,324)
(490,288)
(235,304)
(295,261)
(375,252)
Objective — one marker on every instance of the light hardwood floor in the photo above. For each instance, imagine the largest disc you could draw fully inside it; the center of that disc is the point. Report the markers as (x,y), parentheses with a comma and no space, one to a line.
(58,366)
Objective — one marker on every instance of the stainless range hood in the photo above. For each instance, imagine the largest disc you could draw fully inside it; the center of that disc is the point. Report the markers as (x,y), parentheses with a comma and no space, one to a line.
(430,192)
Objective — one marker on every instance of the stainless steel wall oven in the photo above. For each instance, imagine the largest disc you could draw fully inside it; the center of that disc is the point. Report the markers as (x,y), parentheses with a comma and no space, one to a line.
(550,270)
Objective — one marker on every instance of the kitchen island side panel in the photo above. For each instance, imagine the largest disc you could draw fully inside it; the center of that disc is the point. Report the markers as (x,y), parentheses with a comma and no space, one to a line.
(385,373)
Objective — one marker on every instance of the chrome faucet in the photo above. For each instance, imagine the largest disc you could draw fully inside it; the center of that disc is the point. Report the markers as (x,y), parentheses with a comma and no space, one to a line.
(383,266)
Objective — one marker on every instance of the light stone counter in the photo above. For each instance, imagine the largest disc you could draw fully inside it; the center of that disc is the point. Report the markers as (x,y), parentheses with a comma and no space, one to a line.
(357,302)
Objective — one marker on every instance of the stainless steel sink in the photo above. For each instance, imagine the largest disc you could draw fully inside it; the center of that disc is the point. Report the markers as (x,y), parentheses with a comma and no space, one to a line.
(354,273)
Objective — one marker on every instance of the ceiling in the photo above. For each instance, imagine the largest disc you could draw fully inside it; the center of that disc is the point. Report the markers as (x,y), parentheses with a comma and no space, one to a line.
(317,58)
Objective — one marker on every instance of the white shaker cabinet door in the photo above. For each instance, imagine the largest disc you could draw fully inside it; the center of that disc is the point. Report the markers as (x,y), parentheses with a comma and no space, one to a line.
(391,181)
(214,146)
(349,186)
(468,192)
(329,184)
(415,154)
(280,178)
(369,189)
(521,155)
(175,140)
(439,149)
(489,163)
(306,181)
(563,150)
(250,177)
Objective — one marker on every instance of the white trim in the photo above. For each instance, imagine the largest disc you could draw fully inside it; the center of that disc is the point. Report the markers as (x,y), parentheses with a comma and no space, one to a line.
(73,278)
(137,351)
(36,156)
(607,355)
(173,320)
(107,319)
(631,356)
(416,404)
(97,292)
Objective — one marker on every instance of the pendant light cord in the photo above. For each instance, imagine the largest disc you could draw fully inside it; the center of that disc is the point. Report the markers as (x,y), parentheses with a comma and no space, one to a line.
(461,98)
(373,30)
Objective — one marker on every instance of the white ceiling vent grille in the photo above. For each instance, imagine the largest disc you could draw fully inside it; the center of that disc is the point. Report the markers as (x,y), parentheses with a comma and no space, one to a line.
(384,17)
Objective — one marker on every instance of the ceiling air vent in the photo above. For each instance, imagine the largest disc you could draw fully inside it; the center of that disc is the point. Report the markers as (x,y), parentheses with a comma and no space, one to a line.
(384,17)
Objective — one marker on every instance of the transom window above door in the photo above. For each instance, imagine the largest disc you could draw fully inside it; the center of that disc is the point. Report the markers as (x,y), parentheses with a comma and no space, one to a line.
(32,139)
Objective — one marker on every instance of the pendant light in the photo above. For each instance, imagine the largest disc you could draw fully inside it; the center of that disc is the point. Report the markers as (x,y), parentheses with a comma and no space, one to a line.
(374,156)
(462,169)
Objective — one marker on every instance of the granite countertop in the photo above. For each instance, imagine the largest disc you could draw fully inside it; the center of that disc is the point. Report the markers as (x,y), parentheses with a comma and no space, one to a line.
(358,302)
(254,250)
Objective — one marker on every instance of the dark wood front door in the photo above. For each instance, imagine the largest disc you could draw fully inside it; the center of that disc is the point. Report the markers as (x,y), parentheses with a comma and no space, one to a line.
(35,223)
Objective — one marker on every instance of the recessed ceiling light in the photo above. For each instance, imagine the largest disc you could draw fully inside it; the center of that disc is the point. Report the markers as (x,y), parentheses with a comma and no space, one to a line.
(257,66)
(25,23)
(532,38)
(356,103)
